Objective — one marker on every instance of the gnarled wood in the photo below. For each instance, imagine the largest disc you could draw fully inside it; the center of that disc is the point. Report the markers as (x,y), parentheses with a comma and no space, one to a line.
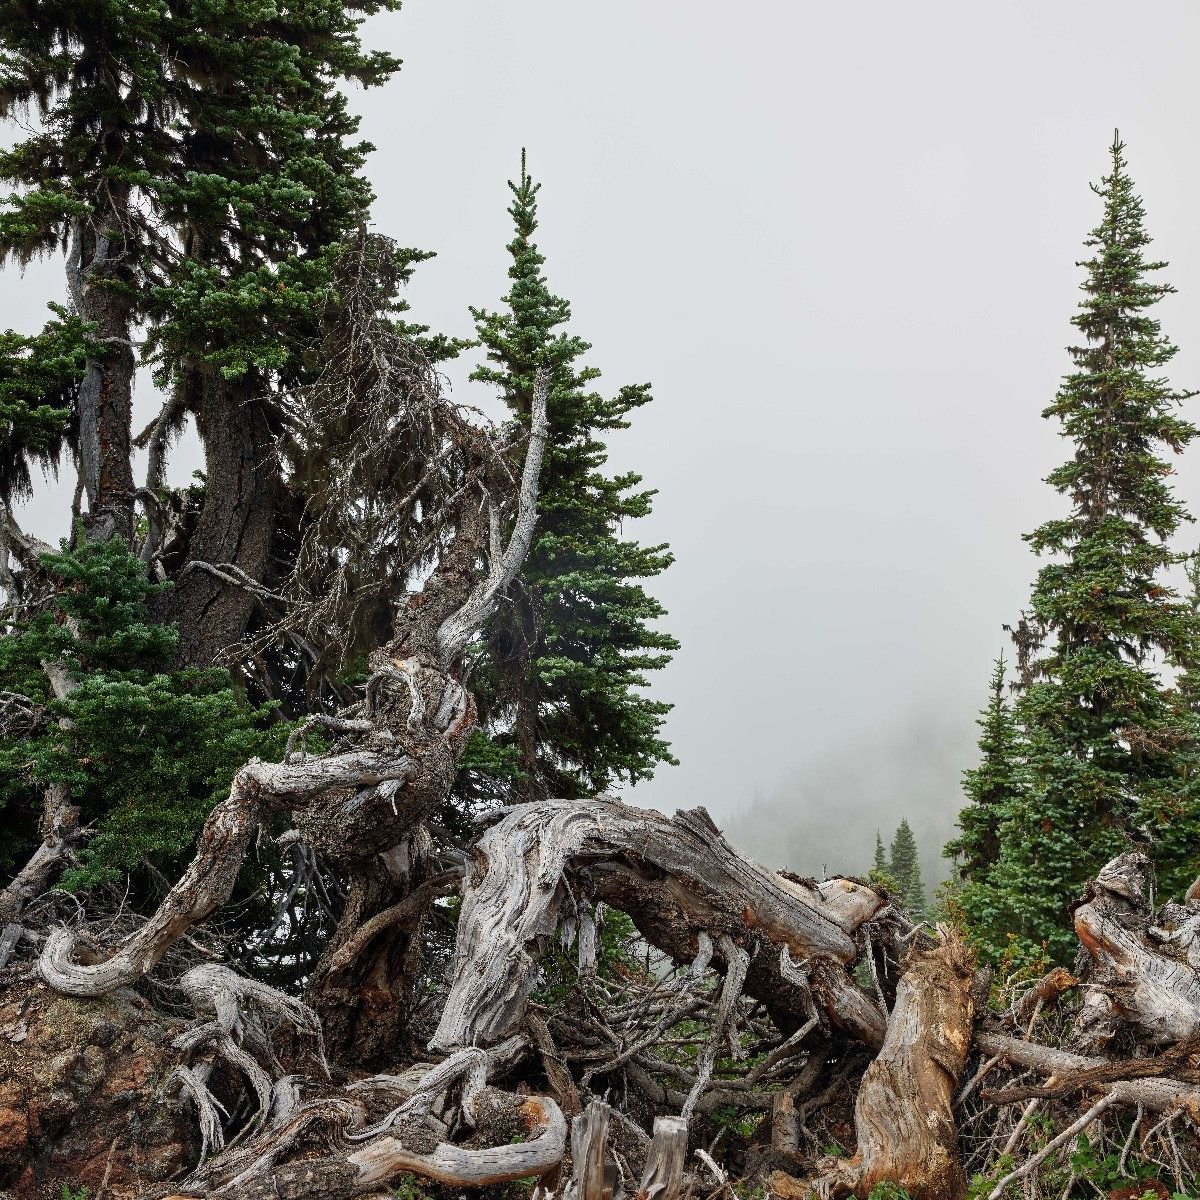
(1157,994)
(593,1173)
(456,1166)
(686,880)
(1157,1095)
(662,1178)
(903,1117)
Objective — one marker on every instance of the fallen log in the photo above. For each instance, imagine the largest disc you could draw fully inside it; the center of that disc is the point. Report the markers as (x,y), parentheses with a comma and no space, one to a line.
(1157,1095)
(676,878)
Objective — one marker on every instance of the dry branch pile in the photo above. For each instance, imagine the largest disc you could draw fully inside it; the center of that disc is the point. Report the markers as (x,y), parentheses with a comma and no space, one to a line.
(744,1028)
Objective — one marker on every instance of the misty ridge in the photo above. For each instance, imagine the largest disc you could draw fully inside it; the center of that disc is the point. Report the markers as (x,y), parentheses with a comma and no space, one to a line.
(821,817)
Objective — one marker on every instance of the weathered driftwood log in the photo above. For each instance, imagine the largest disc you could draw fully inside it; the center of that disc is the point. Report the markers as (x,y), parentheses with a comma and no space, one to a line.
(677,878)
(1156,1095)
(903,1115)
(395,763)
(1136,982)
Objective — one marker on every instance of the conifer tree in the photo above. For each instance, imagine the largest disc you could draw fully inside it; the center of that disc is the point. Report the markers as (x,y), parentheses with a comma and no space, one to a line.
(560,681)
(144,751)
(199,165)
(1103,736)
(880,873)
(990,787)
(905,869)
(881,860)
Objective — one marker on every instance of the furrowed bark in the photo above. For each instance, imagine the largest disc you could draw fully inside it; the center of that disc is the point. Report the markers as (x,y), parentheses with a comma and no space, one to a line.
(97,270)
(236,523)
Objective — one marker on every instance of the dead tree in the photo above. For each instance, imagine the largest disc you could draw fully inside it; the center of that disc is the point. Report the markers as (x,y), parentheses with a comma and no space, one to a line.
(777,998)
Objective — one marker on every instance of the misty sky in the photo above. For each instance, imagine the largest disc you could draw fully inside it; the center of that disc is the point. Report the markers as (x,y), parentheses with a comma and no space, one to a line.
(840,242)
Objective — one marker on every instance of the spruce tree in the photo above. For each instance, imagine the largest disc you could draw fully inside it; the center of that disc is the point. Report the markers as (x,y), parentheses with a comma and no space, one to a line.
(990,787)
(1104,738)
(560,680)
(881,860)
(197,167)
(906,869)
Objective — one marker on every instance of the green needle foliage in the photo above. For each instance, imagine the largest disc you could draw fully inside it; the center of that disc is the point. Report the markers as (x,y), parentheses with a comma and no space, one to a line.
(880,873)
(560,678)
(905,868)
(881,861)
(198,164)
(1105,741)
(991,787)
(197,161)
(38,379)
(144,751)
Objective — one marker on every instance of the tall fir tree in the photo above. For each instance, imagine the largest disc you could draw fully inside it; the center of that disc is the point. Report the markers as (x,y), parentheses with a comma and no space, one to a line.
(991,787)
(905,867)
(561,678)
(881,859)
(1105,740)
(198,167)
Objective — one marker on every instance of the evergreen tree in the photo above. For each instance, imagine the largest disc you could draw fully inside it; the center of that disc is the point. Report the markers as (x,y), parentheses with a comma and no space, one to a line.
(905,869)
(145,751)
(990,787)
(198,165)
(198,162)
(1104,738)
(881,860)
(880,873)
(561,676)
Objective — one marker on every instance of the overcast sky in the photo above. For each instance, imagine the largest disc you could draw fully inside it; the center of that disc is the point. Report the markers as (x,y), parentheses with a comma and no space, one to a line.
(840,242)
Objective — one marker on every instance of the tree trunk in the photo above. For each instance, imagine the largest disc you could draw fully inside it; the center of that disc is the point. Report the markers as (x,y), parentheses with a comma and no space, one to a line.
(677,879)
(97,273)
(902,1115)
(236,523)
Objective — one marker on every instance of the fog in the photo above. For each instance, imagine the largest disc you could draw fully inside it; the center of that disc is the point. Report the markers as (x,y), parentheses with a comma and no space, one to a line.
(840,241)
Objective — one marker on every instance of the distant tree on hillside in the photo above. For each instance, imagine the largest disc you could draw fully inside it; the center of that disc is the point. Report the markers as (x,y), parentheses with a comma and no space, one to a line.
(905,868)
(881,861)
